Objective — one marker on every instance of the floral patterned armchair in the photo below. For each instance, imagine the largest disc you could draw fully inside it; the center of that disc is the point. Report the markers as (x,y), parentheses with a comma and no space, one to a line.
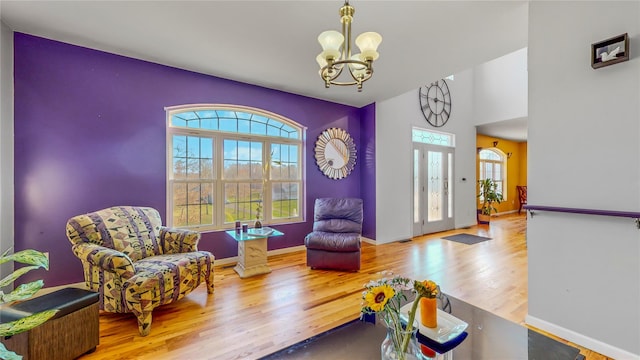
(135,263)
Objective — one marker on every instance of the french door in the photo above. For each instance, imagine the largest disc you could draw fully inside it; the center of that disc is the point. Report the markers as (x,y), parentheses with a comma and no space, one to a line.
(432,188)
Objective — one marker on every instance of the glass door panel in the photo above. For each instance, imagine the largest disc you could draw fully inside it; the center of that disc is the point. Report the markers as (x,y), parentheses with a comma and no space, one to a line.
(432,189)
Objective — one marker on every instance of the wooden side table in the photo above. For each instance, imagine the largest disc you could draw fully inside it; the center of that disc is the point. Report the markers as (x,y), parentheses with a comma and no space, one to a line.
(252,251)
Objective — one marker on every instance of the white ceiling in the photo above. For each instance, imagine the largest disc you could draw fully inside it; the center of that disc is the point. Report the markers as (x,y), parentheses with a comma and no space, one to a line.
(273,43)
(514,129)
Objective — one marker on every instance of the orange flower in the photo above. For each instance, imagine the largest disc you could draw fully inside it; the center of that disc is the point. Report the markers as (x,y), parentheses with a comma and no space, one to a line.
(431,286)
(426,288)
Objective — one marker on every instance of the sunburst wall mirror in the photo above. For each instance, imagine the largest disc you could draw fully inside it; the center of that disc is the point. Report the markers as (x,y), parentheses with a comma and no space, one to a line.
(335,153)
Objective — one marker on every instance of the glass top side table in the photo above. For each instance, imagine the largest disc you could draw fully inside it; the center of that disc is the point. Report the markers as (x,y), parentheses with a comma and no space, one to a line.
(252,250)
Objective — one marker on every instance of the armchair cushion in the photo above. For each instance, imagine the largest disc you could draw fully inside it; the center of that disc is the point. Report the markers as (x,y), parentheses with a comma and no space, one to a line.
(175,241)
(339,242)
(189,267)
(130,230)
(338,215)
(105,258)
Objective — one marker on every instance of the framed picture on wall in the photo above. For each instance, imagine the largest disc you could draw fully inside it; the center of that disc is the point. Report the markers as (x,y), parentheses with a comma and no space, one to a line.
(610,51)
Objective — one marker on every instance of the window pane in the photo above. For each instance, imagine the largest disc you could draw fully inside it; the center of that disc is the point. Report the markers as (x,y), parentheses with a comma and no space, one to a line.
(275,123)
(256,151)
(242,115)
(244,150)
(285,200)
(242,201)
(436,184)
(234,121)
(276,162)
(488,171)
(284,162)
(497,175)
(288,131)
(176,120)
(192,204)
(242,159)
(192,157)
(431,137)
(230,125)
(179,168)
(258,119)
(244,126)
(209,124)
(273,130)
(207,114)
(258,128)
(206,169)
(231,169)
(489,155)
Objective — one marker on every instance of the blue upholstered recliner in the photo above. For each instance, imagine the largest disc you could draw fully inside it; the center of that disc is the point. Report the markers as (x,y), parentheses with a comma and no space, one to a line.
(335,240)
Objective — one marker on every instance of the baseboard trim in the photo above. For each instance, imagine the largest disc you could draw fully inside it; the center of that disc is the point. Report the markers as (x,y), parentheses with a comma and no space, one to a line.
(368,241)
(504,213)
(234,259)
(580,339)
(464,226)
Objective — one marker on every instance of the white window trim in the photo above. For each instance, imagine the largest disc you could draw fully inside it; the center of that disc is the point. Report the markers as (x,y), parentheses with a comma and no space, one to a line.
(503,163)
(218,137)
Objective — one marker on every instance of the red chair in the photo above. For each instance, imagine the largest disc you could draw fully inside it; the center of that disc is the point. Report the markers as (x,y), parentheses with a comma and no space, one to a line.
(522,196)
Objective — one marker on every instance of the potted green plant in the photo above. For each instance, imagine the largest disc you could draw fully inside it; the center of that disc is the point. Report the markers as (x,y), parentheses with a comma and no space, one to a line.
(35,260)
(488,196)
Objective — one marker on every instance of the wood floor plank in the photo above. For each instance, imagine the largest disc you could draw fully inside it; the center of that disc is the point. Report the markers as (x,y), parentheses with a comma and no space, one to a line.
(253,317)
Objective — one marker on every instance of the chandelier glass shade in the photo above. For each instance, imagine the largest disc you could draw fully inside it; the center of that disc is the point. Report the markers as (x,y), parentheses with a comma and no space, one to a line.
(336,53)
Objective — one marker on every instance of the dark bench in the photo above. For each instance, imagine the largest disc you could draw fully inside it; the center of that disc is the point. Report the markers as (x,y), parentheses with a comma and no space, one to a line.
(72,332)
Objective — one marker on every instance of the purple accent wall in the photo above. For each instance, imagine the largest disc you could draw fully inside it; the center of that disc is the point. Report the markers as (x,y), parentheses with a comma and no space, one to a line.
(367,158)
(90,134)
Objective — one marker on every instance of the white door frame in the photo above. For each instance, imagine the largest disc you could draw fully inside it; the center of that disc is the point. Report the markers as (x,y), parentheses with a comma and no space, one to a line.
(441,217)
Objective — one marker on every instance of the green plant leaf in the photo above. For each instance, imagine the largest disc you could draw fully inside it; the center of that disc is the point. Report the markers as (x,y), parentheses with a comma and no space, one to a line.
(8,354)
(29,257)
(26,323)
(16,274)
(22,292)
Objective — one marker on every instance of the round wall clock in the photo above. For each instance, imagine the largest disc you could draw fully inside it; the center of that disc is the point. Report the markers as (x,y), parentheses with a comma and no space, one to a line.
(335,153)
(435,102)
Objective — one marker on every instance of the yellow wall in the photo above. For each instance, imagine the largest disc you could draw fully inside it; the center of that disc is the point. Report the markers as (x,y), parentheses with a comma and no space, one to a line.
(516,168)
(522,147)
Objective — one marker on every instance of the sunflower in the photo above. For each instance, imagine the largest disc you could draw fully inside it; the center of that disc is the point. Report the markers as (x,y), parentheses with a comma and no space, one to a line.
(378,296)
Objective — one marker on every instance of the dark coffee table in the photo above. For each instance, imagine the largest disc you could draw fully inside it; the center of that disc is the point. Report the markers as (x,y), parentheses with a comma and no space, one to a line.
(488,337)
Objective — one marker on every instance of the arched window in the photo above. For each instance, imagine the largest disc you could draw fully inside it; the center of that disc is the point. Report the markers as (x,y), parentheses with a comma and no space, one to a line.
(231,163)
(493,166)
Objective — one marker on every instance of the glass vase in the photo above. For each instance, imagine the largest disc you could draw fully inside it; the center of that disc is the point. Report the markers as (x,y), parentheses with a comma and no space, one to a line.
(391,348)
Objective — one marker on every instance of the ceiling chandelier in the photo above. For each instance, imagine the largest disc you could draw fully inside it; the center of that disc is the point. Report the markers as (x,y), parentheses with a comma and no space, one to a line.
(336,53)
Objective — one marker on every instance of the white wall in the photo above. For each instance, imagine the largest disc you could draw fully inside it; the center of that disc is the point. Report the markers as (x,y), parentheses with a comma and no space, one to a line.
(500,88)
(394,119)
(584,152)
(6,143)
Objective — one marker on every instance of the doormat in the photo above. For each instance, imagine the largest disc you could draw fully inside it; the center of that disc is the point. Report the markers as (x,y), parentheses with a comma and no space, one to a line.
(467,238)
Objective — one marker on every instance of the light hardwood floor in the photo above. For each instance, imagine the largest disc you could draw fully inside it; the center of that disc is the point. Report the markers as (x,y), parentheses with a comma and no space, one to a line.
(249,318)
